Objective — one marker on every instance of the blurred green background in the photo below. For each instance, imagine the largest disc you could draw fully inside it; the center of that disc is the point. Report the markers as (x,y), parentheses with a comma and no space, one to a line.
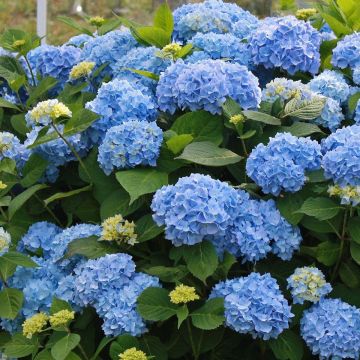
(22,13)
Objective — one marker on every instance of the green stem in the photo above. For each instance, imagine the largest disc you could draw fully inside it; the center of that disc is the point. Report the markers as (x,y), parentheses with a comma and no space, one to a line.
(51,213)
(342,247)
(83,352)
(244,147)
(31,72)
(72,150)
(192,343)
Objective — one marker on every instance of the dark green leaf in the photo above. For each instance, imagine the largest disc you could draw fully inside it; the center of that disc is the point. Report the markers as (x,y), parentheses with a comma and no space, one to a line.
(321,208)
(262,117)
(33,170)
(231,107)
(58,305)
(63,347)
(328,252)
(210,316)
(350,274)
(153,348)
(147,229)
(288,346)
(122,343)
(148,74)
(7,104)
(301,129)
(19,259)
(288,205)
(20,346)
(62,195)
(72,23)
(41,89)
(168,274)
(355,251)
(182,315)
(11,301)
(354,229)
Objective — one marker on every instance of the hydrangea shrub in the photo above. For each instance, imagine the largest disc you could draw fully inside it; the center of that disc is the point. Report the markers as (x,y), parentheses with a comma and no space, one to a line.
(188,189)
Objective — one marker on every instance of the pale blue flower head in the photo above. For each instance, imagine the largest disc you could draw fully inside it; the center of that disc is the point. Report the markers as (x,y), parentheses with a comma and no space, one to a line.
(308,284)
(79,40)
(331,116)
(206,85)
(195,208)
(130,144)
(222,46)
(332,84)
(347,52)
(54,61)
(5,241)
(286,43)
(119,101)
(281,165)
(212,16)
(39,236)
(108,49)
(356,75)
(341,160)
(331,329)
(254,305)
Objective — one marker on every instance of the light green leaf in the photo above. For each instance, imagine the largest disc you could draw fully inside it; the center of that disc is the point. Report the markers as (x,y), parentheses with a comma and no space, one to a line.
(152,35)
(146,228)
(72,23)
(163,18)
(19,259)
(63,347)
(7,268)
(21,199)
(148,74)
(154,304)
(138,182)
(207,153)
(201,259)
(62,195)
(11,301)
(20,346)
(262,117)
(177,143)
(7,104)
(288,346)
(58,305)
(201,125)
(210,316)
(305,110)
(182,314)
(321,208)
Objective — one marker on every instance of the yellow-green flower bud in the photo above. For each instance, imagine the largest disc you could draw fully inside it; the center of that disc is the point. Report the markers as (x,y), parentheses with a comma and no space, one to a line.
(116,228)
(35,324)
(132,354)
(18,43)
(305,14)
(96,21)
(82,69)
(183,294)
(61,318)
(2,185)
(237,119)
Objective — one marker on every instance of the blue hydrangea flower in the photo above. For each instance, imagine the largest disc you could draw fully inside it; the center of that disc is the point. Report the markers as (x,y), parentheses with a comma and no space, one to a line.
(56,152)
(111,285)
(212,16)
(331,84)
(196,56)
(130,144)
(347,52)
(206,85)
(326,33)
(356,75)
(141,58)
(54,61)
(341,160)
(79,40)
(254,305)
(357,113)
(308,284)
(108,48)
(39,236)
(331,329)
(62,240)
(281,165)
(286,43)
(194,208)
(258,229)
(222,46)
(11,148)
(119,101)
(331,115)
(38,285)
(5,242)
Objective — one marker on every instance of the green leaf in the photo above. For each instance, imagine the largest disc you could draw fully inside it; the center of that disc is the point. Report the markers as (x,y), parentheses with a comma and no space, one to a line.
(153,347)
(327,253)
(185,50)
(177,143)
(148,74)
(41,89)
(321,208)
(355,251)
(33,170)
(90,247)
(248,134)
(210,316)
(122,343)
(7,268)
(19,124)
(168,274)
(354,229)
(62,195)
(79,122)
(72,23)
(201,125)
(352,102)
(19,346)
(58,305)
(288,346)
(350,274)
(63,347)
(138,182)
(224,267)
(262,117)
(103,343)
(301,129)
(305,110)
(201,259)
(11,301)
(154,304)
(21,199)
(44,355)
(19,259)
(7,104)
(182,314)
(152,35)
(207,153)
(163,18)
(288,206)
(231,107)
(147,229)
(108,26)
